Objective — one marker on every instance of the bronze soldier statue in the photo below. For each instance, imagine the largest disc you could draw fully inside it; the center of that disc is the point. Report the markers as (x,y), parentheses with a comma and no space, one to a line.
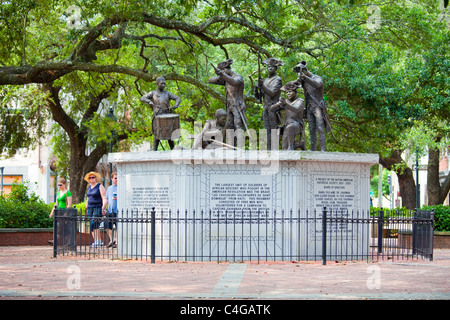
(315,105)
(213,132)
(269,89)
(234,92)
(293,108)
(159,100)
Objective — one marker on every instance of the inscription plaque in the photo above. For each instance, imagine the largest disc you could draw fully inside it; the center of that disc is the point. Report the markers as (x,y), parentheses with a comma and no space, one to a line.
(243,197)
(338,193)
(144,192)
(149,192)
(240,196)
(334,192)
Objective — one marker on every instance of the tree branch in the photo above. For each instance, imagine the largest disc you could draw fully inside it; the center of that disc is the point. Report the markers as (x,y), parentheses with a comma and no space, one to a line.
(58,113)
(85,51)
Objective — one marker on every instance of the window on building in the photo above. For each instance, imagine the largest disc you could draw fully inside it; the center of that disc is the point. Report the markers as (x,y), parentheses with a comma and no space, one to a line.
(8,181)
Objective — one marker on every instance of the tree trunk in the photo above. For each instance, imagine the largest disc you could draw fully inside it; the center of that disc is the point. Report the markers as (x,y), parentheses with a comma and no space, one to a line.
(436,192)
(433,185)
(407,188)
(405,178)
(77,183)
(80,163)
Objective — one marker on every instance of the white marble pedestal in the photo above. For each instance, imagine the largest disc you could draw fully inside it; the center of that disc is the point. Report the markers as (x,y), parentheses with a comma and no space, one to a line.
(239,182)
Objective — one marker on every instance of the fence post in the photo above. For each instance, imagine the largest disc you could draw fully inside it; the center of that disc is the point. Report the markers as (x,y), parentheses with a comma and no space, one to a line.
(414,232)
(324,236)
(55,233)
(380,231)
(432,234)
(153,236)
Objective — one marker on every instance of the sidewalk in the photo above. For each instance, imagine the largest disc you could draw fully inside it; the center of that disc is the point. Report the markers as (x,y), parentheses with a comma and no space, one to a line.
(32,273)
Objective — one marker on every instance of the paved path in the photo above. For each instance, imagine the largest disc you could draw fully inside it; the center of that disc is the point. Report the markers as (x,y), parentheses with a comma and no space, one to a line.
(32,273)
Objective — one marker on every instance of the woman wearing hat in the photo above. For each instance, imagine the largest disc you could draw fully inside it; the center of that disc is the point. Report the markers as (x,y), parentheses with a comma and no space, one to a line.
(96,204)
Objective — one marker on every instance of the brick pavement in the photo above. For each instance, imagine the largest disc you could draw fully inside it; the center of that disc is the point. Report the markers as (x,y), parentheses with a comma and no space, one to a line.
(32,273)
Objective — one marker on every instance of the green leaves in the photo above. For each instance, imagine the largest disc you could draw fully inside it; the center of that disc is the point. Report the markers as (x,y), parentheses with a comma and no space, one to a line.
(20,115)
(441,217)
(377,81)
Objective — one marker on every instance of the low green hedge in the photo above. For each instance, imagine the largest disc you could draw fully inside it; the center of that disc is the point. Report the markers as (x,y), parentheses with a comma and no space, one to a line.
(441,215)
(24,209)
(81,207)
(375,211)
(16,214)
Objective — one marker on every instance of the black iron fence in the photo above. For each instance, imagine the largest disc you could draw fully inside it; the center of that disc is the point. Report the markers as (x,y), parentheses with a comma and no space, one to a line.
(321,235)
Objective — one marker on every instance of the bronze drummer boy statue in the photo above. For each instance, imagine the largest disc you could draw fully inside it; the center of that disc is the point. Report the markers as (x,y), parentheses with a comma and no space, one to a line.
(159,100)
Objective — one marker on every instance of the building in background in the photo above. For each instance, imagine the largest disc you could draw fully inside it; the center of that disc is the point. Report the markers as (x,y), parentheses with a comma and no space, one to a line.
(32,167)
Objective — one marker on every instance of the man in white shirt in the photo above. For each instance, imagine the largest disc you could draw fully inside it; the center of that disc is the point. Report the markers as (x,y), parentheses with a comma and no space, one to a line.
(111,213)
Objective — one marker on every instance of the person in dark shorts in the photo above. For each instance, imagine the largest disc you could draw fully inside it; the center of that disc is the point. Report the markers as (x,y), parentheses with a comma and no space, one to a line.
(96,205)
(111,211)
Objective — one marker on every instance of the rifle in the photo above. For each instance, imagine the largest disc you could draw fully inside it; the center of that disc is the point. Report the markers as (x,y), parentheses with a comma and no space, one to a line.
(245,121)
(260,92)
(223,144)
(299,70)
(215,69)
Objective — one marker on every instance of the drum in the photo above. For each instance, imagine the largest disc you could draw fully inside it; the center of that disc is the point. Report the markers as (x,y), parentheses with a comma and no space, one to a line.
(165,125)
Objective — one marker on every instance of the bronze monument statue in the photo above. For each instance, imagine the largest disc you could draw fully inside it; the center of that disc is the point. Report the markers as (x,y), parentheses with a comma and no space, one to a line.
(164,121)
(293,108)
(269,90)
(235,105)
(315,105)
(213,132)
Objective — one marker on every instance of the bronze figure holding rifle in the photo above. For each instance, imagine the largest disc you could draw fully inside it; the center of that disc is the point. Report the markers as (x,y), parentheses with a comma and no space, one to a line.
(234,92)
(315,105)
(269,89)
(212,135)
